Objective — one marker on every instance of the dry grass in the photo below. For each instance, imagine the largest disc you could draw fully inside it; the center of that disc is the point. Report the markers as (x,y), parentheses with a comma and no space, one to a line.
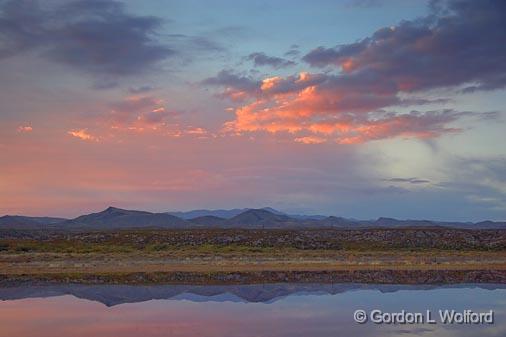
(239,260)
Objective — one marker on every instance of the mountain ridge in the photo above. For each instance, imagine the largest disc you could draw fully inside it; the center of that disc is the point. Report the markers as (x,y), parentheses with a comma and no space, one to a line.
(262,218)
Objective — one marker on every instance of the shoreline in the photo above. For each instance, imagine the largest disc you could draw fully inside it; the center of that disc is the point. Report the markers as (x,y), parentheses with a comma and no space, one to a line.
(304,266)
(386,276)
(237,261)
(258,256)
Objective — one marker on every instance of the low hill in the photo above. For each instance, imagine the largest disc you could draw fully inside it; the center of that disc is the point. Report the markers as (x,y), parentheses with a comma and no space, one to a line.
(28,222)
(19,222)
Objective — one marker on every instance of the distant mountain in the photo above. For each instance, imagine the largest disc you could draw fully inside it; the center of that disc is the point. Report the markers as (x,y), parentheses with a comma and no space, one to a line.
(268,218)
(208,221)
(19,222)
(333,221)
(220,213)
(261,218)
(389,222)
(115,218)
(307,217)
(46,220)
(230,213)
(27,222)
(487,225)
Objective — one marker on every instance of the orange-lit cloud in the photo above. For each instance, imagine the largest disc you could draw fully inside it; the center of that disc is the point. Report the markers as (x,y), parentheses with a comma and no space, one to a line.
(147,115)
(24,128)
(196,131)
(316,108)
(83,134)
(310,140)
(270,82)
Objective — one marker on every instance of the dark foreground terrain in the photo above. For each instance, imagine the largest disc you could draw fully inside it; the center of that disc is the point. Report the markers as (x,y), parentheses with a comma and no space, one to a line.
(303,239)
(382,255)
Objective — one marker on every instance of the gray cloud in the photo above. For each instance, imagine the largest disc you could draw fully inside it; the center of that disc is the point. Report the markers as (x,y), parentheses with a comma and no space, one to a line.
(96,36)
(408,180)
(141,89)
(228,78)
(460,42)
(261,59)
(293,52)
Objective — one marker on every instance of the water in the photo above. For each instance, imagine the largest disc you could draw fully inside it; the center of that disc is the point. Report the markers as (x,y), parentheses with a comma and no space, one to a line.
(278,310)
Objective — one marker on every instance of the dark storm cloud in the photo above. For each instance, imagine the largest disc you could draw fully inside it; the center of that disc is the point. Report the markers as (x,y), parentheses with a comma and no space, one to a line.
(261,59)
(98,36)
(460,43)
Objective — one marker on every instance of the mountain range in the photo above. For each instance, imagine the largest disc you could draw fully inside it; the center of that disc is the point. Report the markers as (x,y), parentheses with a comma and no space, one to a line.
(263,218)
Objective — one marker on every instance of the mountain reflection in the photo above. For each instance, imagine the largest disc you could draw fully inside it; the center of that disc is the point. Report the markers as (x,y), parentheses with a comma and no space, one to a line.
(111,295)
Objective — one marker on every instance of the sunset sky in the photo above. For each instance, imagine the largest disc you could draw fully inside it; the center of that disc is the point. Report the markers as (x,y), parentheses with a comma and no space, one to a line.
(355,108)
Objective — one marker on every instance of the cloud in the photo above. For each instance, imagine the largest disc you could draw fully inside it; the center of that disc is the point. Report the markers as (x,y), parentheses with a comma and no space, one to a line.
(83,134)
(139,112)
(460,42)
(310,140)
(237,87)
(105,84)
(24,128)
(141,89)
(261,59)
(408,180)
(142,115)
(293,51)
(482,180)
(227,78)
(341,109)
(96,36)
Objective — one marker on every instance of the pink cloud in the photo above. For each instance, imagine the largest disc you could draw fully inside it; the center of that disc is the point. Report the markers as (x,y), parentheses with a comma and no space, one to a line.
(320,107)
(139,112)
(24,128)
(310,140)
(83,134)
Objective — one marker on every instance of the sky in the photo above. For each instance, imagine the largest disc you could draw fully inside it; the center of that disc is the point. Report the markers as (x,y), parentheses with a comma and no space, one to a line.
(355,108)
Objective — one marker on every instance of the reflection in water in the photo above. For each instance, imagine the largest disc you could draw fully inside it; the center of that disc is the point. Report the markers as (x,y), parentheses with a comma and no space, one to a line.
(111,295)
(277,310)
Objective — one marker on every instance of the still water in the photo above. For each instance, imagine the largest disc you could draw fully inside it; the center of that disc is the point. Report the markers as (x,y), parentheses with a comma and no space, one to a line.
(276,310)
